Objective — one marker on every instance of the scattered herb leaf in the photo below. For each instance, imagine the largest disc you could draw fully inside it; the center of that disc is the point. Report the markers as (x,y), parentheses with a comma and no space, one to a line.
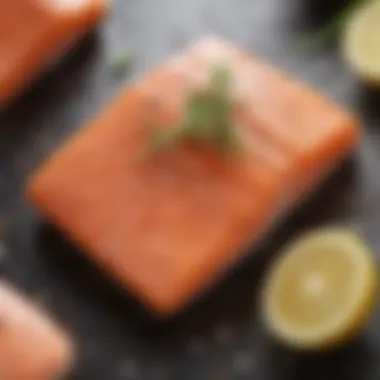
(122,63)
(208,117)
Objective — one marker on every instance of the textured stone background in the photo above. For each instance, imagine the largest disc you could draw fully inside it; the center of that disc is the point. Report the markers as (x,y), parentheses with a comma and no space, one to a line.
(219,338)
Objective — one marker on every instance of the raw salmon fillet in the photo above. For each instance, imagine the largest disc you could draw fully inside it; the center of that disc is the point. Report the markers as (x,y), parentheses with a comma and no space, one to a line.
(31,346)
(35,33)
(168,226)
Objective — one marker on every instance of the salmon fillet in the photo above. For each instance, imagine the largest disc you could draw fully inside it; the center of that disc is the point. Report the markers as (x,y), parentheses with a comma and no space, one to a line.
(168,226)
(35,33)
(31,346)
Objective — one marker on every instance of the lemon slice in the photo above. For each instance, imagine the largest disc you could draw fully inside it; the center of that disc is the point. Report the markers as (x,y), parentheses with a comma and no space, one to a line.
(361,41)
(321,290)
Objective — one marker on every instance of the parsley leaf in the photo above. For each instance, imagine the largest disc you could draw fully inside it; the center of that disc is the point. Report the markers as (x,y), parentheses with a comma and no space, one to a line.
(208,117)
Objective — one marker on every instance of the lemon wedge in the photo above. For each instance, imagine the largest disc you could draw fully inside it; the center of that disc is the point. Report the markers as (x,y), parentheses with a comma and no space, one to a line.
(321,290)
(361,38)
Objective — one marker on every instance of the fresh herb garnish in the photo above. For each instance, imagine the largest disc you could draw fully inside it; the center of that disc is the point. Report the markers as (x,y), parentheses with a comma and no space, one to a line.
(208,117)
(122,63)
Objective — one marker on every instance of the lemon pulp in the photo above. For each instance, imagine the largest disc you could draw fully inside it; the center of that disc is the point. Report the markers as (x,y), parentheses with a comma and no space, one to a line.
(321,290)
(361,41)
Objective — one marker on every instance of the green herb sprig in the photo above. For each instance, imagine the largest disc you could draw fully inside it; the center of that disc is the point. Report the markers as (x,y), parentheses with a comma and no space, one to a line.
(122,63)
(208,117)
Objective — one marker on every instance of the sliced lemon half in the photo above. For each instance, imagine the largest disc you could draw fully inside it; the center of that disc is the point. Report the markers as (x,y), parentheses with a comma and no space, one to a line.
(321,290)
(361,41)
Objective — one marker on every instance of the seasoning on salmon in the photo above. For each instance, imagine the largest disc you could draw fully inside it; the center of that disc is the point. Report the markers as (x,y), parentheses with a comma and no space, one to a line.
(36,33)
(31,346)
(167,225)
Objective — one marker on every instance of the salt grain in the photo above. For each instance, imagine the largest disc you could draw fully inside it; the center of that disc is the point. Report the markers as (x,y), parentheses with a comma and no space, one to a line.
(129,369)
(93,350)
(3,226)
(243,363)
(223,334)
(159,373)
(196,345)
(3,253)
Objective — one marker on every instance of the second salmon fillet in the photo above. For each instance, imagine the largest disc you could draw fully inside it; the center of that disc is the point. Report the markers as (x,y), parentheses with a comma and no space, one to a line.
(32,347)
(167,226)
(36,33)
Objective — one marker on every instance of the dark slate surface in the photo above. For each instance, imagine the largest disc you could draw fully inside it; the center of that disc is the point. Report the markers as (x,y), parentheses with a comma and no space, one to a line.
(220,337)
